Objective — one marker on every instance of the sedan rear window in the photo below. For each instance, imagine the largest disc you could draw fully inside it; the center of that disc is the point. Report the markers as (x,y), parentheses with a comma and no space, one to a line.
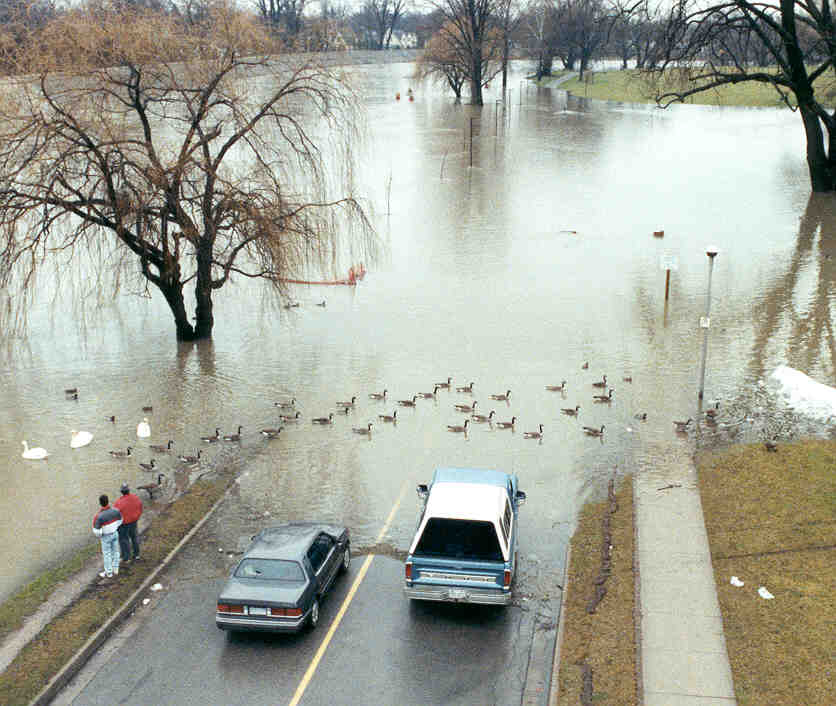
(462,539)
(275,569)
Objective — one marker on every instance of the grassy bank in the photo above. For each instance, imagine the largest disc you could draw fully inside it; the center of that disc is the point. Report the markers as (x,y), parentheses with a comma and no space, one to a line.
(41,659)
(771,521)
(631,87)
(598,650)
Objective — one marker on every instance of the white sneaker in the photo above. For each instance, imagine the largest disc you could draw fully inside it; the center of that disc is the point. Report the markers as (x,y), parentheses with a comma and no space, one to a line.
(105,575)
(116,572)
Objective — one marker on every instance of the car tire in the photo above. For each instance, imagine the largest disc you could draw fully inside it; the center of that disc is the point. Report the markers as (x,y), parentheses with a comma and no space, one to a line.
(346,559)
(313,618)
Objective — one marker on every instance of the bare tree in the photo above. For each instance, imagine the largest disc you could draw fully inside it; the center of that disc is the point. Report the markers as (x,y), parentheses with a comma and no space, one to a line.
(474,28)
(441,61)
(182,156)
(712,44)
(381,17)
(283,16)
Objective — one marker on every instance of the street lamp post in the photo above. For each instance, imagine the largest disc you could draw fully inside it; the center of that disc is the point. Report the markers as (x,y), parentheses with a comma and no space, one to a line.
(711,251)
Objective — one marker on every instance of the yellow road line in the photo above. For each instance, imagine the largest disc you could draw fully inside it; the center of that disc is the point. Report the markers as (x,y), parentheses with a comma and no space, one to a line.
(300,690)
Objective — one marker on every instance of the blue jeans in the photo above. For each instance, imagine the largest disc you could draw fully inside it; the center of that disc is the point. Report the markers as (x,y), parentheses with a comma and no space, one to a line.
(110,552)
(128,540)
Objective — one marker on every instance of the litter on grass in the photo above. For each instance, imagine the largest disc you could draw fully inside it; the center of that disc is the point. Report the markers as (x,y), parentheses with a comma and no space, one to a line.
(146,601)
(763,593)
(736,581)
(157,587)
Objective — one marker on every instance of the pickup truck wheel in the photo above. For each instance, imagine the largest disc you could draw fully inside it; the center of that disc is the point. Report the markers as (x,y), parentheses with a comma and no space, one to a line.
(313,619)
(346,559)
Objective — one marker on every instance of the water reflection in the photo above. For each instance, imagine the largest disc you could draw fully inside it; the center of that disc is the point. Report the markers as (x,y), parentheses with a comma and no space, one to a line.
(511,273)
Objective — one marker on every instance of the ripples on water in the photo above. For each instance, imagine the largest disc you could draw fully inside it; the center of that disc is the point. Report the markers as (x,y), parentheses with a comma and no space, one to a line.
(510,273)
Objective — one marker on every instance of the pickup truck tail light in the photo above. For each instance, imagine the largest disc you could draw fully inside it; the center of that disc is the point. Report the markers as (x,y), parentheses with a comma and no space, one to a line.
(506,579)
(226,608)
(408,570)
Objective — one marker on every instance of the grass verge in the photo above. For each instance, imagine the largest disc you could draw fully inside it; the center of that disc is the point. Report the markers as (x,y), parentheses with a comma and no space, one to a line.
(632,87)
(42,658)
(598,651)
(771,521)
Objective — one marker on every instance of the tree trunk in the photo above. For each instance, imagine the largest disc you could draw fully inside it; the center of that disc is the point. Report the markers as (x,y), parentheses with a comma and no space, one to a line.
(204,319)
(174,296)
(476,76)
(818,162)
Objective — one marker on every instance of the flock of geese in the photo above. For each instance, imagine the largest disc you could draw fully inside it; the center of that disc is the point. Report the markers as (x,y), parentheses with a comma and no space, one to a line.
(290,415)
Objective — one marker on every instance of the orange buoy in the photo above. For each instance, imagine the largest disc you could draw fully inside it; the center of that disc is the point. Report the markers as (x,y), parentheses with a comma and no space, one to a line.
(658,234)
(411,98)
(398,96)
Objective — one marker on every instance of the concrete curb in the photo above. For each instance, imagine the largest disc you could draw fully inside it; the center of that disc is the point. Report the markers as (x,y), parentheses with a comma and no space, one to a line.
(69,670)
(561,624)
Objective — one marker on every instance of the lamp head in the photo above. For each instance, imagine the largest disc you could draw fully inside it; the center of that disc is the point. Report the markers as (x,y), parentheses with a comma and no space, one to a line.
(712,251)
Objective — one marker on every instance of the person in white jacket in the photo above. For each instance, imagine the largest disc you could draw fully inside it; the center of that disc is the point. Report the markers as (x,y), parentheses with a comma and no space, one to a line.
(106,523)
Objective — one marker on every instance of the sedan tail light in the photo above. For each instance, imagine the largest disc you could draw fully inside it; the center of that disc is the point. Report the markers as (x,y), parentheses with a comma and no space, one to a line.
(227,608)
(286,612)
(506,581)
(408,570)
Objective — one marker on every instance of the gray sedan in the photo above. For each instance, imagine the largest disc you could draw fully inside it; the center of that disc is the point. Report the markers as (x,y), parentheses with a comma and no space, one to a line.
(283,575)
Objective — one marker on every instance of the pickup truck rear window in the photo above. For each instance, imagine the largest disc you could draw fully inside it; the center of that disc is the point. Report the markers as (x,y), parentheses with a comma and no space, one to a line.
(459,539)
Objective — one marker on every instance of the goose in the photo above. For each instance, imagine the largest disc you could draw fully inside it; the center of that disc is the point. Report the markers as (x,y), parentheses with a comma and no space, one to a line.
(234,437)
(150,466)
(507,425)
(682,426)
(482,417)
(601,383)
(367,430)
(285,404)
(603,398)
(388,417)
(121,454)
(770,445)
(111,418)
(378,395)
(148,408)
(212,439)
(627,378)
(408,403)
(323,420)
(322,303)
(160,448)
(571,412)
(34,454)
(557,388)
(143,429)
(711,413)
(641,416)
(585,366)
(465,388)
(458,429)
(291,305)
(71,391)
(73,396)
(79,439)
(466,407)
(502,398)
(429,395)
(444,385)
(183,458)
(287,419)
(151,487)
(592,431)
(347,405)
(534,434)
(271,433)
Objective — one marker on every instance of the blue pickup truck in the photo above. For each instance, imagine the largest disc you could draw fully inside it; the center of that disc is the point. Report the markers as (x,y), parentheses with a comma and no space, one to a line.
(465,547)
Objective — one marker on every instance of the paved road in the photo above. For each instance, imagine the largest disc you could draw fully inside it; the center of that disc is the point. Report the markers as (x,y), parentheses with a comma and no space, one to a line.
(386,649)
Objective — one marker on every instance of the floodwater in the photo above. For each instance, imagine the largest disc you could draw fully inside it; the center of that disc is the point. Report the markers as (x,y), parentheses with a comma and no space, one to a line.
(509,261)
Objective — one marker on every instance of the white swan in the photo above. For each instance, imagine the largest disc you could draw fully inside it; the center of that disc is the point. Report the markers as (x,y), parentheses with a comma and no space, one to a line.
(143,429)
(79,439)
(35,454)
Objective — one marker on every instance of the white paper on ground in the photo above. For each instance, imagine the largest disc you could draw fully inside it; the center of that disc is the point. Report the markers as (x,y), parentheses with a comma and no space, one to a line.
(157,587)
(763,593)
(736,581)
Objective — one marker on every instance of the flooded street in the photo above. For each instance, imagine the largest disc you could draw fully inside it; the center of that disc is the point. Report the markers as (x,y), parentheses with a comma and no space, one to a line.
(510,274)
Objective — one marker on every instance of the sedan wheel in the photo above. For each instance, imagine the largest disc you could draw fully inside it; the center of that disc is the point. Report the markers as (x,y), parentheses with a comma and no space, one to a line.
(314,617)
(346,559)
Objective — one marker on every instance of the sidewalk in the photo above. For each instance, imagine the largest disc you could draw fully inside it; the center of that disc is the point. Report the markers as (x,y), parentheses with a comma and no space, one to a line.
(683,650)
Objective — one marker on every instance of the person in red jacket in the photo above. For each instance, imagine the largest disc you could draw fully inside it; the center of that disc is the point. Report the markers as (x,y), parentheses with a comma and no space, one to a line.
(131,508)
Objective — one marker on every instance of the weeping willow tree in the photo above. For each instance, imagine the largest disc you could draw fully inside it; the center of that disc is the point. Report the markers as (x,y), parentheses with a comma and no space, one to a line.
(183,154)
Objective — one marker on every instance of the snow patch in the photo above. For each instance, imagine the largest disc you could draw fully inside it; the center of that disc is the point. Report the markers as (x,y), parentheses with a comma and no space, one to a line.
(804,394)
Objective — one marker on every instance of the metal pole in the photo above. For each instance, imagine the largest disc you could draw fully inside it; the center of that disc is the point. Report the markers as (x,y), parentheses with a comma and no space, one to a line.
(712,253)
(667,283)
(471,142)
